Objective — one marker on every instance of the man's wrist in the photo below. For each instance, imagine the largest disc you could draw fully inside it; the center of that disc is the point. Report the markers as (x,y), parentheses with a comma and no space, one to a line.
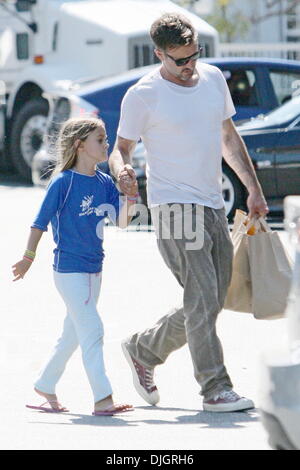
(118,172)
(133,198)
(255,188)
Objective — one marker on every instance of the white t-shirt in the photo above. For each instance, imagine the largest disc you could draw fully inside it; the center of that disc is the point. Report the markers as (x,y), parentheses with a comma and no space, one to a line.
(181,128)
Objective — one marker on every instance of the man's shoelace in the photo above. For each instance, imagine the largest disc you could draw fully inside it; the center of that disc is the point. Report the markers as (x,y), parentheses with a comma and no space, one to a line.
(149,378)
(145,375)
(229,394)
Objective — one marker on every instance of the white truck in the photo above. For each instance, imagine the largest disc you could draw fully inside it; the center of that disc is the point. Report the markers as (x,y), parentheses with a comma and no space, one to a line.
(45,45)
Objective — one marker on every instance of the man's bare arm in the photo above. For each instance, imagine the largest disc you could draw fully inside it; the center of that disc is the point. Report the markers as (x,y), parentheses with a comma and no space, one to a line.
(120,163)
(121,155)
(236,155)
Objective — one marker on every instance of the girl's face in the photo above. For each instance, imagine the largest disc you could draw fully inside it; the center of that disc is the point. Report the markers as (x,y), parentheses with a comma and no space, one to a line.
(95,146)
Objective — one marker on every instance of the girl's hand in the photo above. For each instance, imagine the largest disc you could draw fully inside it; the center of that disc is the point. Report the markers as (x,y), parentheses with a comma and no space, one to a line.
(127,180)
(20,269)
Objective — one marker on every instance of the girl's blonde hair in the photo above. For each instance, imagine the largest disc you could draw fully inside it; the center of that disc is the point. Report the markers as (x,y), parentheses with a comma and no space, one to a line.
(72,130)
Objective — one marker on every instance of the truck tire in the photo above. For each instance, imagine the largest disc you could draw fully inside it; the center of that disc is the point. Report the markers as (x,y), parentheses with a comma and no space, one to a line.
(27,130)
(233,193)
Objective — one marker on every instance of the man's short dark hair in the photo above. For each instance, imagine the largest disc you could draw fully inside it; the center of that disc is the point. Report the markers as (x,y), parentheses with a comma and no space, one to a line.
(172,30)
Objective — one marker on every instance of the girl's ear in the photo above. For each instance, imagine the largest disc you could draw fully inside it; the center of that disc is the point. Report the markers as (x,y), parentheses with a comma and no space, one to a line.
(78,144)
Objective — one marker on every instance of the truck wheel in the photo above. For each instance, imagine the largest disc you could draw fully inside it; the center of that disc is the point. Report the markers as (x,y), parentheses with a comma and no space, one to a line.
(233,193)
(27,131)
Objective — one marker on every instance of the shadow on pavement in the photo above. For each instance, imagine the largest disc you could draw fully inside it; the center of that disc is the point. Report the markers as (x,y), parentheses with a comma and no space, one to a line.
(220,420)
(204,418)
(89,420)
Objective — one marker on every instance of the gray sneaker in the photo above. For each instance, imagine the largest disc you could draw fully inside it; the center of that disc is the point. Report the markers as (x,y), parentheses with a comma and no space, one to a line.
(142,378)
(227,401)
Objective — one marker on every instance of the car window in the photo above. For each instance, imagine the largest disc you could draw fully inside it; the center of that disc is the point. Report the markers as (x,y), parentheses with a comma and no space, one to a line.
(279,117)
(242,86)
(285,84)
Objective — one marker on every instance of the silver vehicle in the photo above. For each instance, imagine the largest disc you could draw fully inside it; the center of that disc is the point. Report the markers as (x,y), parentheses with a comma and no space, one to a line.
(280,379)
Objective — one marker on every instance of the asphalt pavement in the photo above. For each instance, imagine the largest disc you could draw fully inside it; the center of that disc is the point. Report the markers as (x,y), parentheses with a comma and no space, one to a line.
(137,289)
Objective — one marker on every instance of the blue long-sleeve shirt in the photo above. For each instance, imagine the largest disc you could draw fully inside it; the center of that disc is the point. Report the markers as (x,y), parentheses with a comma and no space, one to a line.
(76,206)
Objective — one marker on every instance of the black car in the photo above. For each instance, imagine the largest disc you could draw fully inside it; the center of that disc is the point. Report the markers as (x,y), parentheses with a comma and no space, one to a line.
(273,143)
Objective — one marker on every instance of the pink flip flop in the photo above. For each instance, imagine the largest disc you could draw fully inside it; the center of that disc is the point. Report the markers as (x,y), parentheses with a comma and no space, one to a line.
(48,409)
(113,410)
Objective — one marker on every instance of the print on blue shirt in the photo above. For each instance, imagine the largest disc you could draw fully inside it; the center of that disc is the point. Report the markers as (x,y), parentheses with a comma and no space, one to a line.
(76,205)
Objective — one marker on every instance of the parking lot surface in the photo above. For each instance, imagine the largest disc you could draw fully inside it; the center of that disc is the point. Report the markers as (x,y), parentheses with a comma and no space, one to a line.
(137,289)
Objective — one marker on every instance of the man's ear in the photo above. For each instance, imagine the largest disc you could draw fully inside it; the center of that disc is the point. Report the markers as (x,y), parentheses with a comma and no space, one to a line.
(159,54)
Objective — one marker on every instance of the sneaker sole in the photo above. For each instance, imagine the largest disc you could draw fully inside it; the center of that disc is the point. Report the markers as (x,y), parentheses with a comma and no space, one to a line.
(151,398)
(229,407)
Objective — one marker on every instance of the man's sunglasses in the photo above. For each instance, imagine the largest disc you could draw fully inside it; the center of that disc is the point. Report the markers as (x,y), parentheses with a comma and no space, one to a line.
(185,60)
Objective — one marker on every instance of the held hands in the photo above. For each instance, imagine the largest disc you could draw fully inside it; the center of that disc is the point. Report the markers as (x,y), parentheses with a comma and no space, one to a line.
(21,268)
(127,181)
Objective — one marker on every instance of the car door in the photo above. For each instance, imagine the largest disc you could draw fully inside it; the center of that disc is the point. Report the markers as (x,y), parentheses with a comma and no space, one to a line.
(261,146)
(287,161)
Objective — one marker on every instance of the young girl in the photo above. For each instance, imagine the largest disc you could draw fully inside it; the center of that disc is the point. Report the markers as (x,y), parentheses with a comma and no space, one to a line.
(77,201)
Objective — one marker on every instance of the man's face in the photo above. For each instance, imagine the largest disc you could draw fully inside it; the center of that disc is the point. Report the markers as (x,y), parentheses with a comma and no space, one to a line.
(184,72)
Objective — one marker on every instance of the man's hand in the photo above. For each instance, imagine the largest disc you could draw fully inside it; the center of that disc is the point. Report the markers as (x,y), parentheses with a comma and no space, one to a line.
(127,181)
(256,203)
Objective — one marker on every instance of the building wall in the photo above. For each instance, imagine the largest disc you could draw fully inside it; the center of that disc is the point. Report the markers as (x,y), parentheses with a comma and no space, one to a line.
(293,26)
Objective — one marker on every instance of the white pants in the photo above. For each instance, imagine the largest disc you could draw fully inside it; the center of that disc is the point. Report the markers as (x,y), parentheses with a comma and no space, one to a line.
(82,326)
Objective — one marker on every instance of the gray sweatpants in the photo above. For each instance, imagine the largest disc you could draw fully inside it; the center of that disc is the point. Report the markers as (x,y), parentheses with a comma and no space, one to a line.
(203,269)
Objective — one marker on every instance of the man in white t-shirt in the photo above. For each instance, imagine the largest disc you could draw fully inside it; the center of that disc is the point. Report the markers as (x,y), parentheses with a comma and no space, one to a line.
(182,112)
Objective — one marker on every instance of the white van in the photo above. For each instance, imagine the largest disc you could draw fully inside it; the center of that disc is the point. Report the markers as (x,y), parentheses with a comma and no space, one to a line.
(47,44)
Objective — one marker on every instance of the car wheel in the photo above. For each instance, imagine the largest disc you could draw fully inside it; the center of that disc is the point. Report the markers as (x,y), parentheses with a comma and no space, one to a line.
(28,128)
(233,193)
(143,197)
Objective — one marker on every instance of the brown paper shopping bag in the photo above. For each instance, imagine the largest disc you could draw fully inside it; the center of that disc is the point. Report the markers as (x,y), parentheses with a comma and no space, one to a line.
(271,273)
(262,270)
(239,294)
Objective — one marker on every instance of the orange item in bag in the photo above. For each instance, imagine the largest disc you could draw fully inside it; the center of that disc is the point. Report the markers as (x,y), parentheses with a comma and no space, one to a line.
(252,230)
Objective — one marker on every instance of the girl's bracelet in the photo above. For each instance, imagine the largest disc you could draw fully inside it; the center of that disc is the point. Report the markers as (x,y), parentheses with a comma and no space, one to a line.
(28,259)
(133,198)
(29,255)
